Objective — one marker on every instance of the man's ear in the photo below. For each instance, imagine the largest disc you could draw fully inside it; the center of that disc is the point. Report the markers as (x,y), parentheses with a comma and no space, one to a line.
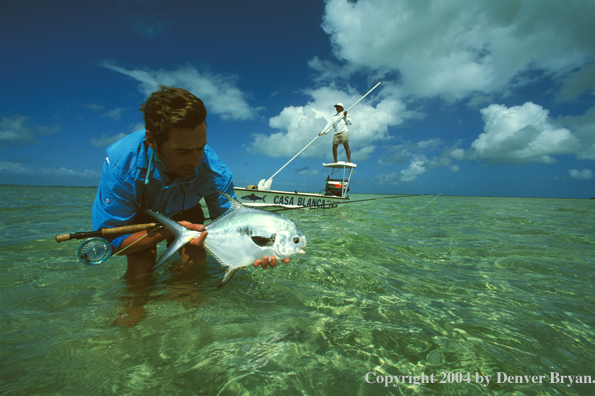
(150,140)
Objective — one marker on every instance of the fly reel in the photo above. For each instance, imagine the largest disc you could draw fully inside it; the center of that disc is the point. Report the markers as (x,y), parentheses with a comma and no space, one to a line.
(94,251)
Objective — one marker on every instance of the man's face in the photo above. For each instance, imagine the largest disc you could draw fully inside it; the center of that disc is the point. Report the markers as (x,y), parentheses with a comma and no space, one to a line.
(183,150)
(339,109)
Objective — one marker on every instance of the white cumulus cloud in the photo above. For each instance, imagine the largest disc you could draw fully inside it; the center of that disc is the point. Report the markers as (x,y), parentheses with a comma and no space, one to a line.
(105,140)
(219,92)
(19,130)
(585,174)
(455,49)
(584,125)
(114,114)
(418,165)
(404,152)
(521,134)
(14,167)
(16,130)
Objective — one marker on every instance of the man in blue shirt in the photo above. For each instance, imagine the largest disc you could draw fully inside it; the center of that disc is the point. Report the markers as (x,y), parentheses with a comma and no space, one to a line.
(167,168)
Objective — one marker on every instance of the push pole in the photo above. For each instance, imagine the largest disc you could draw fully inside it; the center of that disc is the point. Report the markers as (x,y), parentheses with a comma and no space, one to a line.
(266,185)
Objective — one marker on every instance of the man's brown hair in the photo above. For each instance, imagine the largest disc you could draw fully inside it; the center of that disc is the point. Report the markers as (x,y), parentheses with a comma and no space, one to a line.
(172,107)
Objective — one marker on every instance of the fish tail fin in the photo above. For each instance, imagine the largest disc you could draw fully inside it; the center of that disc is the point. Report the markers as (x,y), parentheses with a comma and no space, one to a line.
(171,250)
(228,275)
(180,232)
(174,227)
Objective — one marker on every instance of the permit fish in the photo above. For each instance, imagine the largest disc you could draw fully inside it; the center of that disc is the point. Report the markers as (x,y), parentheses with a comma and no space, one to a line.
(239,237)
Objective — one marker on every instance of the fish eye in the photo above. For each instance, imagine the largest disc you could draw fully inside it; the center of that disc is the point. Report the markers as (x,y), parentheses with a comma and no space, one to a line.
(296,240)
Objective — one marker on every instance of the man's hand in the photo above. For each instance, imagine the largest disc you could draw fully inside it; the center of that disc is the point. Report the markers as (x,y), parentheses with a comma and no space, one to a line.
(196,227)
(345,114)
(272,262)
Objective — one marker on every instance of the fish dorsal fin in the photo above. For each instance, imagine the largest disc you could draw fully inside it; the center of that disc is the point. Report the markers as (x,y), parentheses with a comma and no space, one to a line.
(235,205)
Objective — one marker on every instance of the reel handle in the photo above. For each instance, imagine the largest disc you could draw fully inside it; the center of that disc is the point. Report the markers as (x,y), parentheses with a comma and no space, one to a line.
(63,237)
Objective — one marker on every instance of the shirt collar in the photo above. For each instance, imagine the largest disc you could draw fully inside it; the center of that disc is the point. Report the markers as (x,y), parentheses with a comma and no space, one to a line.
(161,171)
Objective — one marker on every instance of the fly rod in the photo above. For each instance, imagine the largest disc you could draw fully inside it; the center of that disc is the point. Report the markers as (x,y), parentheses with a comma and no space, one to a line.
(129,229)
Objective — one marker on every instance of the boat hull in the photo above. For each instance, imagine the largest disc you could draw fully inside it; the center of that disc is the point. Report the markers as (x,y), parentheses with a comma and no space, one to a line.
(264,199)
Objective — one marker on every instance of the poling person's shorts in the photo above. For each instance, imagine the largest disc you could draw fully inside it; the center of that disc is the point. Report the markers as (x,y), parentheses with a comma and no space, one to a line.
(342,137)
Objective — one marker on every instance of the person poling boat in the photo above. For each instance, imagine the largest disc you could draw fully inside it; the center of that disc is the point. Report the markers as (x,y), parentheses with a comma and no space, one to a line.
(340,126)
(266,184)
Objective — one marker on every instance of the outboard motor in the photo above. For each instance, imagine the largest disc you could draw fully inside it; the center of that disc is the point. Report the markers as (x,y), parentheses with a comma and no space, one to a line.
(335,187)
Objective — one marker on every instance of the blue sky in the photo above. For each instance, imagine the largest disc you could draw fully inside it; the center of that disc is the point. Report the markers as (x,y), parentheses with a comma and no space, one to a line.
(485,98)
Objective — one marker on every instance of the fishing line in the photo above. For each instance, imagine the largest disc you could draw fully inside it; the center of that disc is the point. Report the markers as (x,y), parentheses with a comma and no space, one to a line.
(334,204)
(139,239)
(435,198)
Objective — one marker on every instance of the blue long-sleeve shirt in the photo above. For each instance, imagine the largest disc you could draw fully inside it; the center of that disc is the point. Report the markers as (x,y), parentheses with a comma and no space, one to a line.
(123,192)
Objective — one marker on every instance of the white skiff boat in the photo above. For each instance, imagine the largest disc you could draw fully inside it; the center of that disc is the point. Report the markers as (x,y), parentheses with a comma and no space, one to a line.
(335,188)
(337,176)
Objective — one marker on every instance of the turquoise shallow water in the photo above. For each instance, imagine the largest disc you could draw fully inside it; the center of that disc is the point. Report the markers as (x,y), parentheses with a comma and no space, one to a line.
(467,286)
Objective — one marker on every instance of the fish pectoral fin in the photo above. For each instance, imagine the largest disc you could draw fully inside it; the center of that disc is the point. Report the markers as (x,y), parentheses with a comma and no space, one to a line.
(263,241)
(228,275)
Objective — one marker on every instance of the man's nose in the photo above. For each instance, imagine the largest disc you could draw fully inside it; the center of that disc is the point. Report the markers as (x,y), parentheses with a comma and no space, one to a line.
(195,157)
